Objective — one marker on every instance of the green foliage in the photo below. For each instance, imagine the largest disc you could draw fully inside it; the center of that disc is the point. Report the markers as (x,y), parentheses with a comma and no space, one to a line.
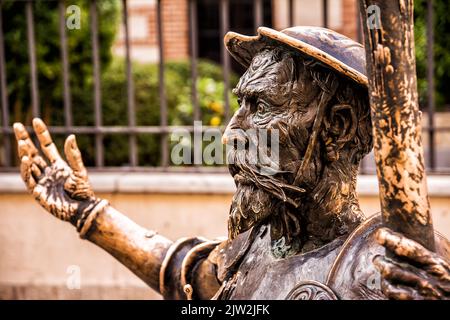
(177,75)
(147,104)
(48,55)
(113,81)
(441,51)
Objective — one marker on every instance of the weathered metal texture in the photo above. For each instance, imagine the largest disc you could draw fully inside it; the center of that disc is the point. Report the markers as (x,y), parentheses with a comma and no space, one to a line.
(258,274)
(354,275)
(63,189)
(311,290)
(338,52)
(396,118)
(290,236)
(140,250)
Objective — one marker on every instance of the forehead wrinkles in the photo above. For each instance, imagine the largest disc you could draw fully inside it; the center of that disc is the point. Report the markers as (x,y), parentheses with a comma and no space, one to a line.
(267,75)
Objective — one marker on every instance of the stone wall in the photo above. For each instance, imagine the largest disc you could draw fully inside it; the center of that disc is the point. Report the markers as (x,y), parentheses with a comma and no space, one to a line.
(38,253)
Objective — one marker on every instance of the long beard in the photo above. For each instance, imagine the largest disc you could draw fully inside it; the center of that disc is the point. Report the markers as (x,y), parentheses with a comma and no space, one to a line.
(250,206)
(258,196)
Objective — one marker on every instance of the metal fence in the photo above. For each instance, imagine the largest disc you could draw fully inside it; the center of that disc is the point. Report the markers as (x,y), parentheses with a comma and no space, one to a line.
(163,129)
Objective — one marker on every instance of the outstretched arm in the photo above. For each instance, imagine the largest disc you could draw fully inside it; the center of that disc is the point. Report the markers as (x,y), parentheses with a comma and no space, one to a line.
(63,189)
(140,250)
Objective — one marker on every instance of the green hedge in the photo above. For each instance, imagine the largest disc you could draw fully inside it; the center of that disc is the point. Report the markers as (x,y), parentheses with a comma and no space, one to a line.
(147,102)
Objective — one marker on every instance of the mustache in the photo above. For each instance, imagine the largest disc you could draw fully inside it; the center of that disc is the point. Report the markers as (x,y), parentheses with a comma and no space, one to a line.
(263,177)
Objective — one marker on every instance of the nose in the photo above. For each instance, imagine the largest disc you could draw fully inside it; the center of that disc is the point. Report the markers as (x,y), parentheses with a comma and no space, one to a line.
(234,131)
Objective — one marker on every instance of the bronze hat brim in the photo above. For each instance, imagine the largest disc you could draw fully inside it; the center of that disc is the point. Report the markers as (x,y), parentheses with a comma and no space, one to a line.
(243,49)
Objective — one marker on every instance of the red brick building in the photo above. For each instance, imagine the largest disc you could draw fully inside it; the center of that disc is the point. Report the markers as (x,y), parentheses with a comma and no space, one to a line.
(342,17)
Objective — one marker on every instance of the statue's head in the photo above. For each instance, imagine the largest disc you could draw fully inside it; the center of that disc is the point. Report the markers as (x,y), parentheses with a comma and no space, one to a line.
(298,89)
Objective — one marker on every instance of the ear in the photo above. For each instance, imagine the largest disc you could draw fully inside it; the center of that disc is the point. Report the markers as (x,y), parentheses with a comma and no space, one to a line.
(339,128)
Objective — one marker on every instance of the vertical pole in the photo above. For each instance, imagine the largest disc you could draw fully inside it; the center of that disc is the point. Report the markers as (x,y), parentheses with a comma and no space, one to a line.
(99,161)
(4,94)
(325,13)
(396,120)
(224,26)
(359,35)
(130,89)
(193,37)
(258,13)
(162,89)
(430,80)
(32,59)
(65,65)
(291,13)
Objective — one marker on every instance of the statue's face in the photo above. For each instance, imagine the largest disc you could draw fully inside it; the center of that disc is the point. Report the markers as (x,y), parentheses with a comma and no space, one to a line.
(269,99)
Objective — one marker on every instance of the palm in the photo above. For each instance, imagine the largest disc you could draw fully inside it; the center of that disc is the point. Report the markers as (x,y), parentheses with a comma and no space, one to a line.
(62,188)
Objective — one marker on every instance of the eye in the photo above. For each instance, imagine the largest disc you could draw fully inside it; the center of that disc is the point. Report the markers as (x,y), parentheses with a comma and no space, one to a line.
(262,113)
(239,101)
(261,108)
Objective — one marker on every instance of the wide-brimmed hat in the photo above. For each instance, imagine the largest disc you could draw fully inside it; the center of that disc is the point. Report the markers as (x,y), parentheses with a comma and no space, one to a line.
(336,51)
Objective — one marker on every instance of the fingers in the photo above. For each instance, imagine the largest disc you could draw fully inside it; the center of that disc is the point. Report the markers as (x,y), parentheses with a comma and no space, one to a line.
(22,135)
(36,171)
(404,247)
(25,172)
(27,147)
(405,275)
(399,292)
(73,156)
(47,145)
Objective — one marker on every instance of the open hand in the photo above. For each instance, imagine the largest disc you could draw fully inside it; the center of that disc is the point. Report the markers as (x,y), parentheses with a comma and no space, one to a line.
(60,187)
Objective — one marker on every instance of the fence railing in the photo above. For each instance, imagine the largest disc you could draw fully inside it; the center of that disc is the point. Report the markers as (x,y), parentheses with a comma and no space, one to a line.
(98,130)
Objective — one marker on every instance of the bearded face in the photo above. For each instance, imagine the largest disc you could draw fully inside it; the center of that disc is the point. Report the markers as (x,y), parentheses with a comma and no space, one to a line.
(277,97)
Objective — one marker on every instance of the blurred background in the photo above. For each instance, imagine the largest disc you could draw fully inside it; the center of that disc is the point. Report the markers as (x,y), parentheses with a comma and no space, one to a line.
(123,75)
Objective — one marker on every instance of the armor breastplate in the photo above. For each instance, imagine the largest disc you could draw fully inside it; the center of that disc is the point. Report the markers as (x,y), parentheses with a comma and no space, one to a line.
(260,275)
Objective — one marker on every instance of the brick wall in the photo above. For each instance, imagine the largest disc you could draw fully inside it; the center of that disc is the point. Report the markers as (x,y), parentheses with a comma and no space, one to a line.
(175,16)
(143,28)
(341,15)
(349,14)
(175,29)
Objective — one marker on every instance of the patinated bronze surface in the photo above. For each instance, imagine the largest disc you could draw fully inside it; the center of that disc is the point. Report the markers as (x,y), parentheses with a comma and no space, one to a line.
(396,115)
(295,234)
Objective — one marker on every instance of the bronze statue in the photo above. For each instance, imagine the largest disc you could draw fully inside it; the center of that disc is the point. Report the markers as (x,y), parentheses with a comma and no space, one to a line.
(296,234)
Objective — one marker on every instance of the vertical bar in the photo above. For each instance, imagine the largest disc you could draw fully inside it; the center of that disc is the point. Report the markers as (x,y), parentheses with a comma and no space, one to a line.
(4,94)
(358,24)
(291,13)
(65,65)
(130,89)
(325,13)
(162,89)
(97,86)
(258,13)
(193,36)
(430,80)
(32,59)
(224,26)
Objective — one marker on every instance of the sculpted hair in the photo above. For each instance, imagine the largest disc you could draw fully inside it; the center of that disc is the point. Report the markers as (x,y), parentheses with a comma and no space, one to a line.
(347,92)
